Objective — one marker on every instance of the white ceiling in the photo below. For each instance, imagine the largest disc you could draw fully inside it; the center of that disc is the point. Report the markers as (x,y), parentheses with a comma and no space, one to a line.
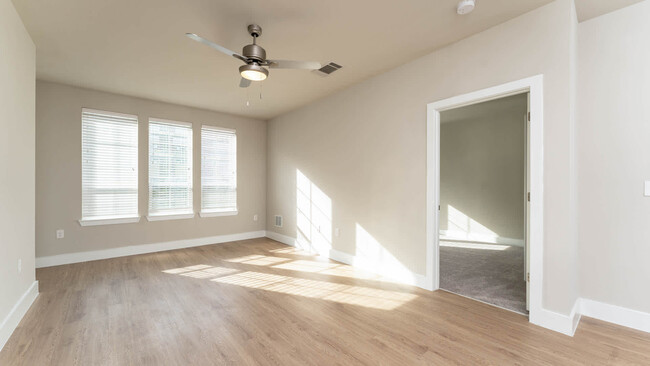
(138,47)
(588,9)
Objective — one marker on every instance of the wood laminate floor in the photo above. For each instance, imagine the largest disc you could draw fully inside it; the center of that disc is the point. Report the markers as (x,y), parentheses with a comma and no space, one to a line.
(260,302)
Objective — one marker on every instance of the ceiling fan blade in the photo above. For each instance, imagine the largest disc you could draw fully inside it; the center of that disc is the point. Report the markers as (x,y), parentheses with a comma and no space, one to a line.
(215,46)
(244,83)
(287,64)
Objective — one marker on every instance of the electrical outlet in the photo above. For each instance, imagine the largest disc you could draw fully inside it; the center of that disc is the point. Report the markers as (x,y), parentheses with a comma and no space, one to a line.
(60,234)
(255,218)
(337,232)
(20,265)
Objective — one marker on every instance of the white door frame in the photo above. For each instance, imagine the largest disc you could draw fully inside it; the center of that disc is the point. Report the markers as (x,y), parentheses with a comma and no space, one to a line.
(535,87)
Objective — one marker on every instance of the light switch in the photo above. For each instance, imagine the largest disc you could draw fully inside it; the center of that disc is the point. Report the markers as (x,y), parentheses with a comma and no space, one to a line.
(60,234)
(647,188)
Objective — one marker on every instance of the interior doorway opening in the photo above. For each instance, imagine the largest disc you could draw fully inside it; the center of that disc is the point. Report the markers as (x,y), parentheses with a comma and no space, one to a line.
(534,86)
(483,201)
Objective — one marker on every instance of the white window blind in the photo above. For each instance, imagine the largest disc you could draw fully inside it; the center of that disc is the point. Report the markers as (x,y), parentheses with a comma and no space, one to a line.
(109,165)
(218,170)
(170,168)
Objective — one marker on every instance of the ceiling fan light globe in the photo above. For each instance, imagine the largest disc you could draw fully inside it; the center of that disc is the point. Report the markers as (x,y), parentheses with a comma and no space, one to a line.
(253,75)
(253,72)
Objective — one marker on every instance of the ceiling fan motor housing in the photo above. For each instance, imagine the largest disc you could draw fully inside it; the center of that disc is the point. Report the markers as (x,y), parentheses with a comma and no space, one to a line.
(254,30)
(254,52)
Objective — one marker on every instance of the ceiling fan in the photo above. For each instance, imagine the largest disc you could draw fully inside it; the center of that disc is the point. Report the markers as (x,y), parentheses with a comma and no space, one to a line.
(254,57)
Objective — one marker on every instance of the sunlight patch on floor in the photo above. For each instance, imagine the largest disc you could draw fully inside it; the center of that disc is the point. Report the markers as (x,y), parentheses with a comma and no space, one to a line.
(306,266)
(289,250)
(324,290)
(347,294)
(258,260)
(303,265)
(201,271)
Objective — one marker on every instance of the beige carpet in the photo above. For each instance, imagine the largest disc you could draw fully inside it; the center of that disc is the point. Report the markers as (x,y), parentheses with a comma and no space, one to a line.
(484,273)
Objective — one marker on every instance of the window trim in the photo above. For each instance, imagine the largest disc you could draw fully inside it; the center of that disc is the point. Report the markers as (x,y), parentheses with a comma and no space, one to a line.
(215,128)
(171,216)
(112,221)
(171,122)
(219,213)
(118,114)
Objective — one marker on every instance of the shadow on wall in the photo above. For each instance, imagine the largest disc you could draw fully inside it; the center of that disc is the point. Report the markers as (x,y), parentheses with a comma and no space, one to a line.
(314,233)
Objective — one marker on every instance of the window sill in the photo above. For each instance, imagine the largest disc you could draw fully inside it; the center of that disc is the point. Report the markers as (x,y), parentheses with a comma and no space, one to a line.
(120,220)
(170,217)
(218,213)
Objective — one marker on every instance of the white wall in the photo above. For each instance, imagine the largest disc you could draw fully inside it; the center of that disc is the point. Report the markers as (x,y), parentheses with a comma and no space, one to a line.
(614,157)
(364,148)
(482,171)
(58,173)
(17,74)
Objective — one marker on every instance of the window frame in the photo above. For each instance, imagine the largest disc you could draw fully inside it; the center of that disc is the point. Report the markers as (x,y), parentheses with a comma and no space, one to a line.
(110,220)
(171,215)
(216,212)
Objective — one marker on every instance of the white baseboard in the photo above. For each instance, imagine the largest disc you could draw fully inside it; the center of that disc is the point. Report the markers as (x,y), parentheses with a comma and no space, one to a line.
(407,278)
(16,314)
(68,258)
(281,238)
(479,238)
(615,314)
(565,324)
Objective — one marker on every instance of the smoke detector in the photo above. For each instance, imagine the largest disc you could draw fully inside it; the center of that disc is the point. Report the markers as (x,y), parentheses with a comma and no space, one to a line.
(465,7)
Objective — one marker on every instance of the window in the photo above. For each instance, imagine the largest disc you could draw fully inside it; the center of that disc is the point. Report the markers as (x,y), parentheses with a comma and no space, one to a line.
(170,170)
(218,171)
(109,168)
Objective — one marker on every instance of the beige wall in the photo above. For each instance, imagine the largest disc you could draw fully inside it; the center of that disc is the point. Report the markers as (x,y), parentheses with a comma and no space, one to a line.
(482,170)
(365,147)
(614,157)
(17,74)
(58,172)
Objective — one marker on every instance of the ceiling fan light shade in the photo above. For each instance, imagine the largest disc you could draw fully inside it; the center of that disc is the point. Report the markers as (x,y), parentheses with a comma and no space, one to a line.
(253,72)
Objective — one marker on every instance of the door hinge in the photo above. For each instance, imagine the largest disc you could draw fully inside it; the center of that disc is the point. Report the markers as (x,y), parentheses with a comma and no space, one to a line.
(528,116)
(438,207)
(528,196)
(528,276)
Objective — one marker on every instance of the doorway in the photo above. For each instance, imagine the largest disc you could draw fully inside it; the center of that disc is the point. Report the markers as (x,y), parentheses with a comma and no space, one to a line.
(483,160)
(534,195)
